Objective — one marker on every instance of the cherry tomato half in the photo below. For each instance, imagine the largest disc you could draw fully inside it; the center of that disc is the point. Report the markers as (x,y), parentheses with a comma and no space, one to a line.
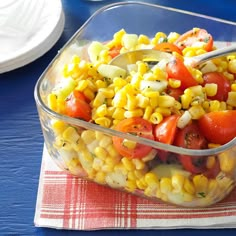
(136,126)
(177,70)
(190,137)
(168,47)
(223,85)
(175,93)
(218,126)
(194,37)
(165,131)
(77,106)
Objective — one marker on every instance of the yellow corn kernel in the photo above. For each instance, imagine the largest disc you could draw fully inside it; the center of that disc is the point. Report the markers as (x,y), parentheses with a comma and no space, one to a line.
(142,101)
(172,37)
(100,84)
(201,184)
(107,168)
(88,136)
(70,135)
(103,121)
(73,70)
(166,101)
(224,65)
(147,113)
(135,113)
(158,37)
(128,164)
(58,126)
(214,105)
(131,176)
(227,161)
(97,164)
(117,37)
(129,144)
(143,39)
(211,89)
(159,73)
(174,83)
(82,85)
(196,112)
(107,92)
(89,93)
(118,113)
(230,57)
(120,99)
(177,182)
(189,187)
(120,168)
(131,102)
(105,141)
(211,160)
(151,94)
(101,111)
(165,185)
(52,102)
(200,51)
(228,75)
(153,101)
(139,173)
(189,52)
(142,68)
(98,100)
(100,177)
(100,152)
(141,183)
(186,101)
(130,185)
(233,87)
(151,179)
(231,100)
(164,111)
(119,82)
(112,151)
(156,118)
(139,164)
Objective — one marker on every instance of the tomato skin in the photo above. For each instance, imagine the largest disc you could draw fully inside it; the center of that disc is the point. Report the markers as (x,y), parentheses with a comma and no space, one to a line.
(165,131)
(193,36)
(114,51)
(168,47)
(218,126)
(177,70)
(175,93)
(77,106)
(137,126)
(223,85)
(190,137)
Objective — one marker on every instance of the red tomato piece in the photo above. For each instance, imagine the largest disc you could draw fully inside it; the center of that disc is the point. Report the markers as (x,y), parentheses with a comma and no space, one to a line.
(177,70)
(115,51)
(136,126)
(223,85)
(175,93)
(219,126)
(165,131)
(77,106)
(168,47)
(190,137)
(193,37)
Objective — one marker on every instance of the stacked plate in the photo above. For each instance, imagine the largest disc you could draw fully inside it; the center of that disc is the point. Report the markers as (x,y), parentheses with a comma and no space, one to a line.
(28,29)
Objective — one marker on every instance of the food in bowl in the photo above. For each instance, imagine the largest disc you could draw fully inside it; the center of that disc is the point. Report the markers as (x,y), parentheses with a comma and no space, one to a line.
(115,126)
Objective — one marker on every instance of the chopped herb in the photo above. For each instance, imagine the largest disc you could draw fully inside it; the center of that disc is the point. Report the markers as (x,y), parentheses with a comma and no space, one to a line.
(202,194)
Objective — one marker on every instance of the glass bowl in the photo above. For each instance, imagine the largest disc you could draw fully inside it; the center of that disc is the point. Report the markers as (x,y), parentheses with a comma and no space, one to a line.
(86,150)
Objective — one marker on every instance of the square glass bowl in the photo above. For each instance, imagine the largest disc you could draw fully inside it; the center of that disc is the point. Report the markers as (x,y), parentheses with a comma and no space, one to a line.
(86,149)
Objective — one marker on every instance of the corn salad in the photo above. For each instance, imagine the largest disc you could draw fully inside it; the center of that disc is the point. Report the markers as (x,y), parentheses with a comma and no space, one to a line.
(115,95)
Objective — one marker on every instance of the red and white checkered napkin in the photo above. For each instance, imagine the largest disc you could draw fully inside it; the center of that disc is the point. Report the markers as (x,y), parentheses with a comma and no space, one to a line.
(66,202)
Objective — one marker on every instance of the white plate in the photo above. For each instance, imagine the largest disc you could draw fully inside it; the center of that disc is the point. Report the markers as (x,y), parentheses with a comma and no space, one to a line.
(28,29)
